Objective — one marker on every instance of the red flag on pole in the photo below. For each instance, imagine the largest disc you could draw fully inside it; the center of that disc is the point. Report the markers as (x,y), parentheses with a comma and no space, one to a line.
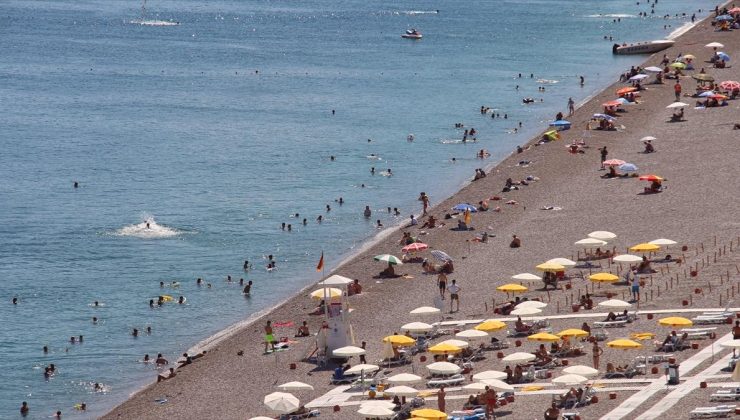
(320,265)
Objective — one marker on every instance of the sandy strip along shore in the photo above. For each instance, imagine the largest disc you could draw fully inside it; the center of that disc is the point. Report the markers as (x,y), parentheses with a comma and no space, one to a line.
(700,209)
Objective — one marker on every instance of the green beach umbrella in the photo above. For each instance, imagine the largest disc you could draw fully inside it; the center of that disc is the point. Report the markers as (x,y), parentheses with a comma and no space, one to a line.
(390,259)
(678,65)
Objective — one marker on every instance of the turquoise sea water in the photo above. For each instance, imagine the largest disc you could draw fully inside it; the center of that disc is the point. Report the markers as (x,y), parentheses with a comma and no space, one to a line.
(171,123)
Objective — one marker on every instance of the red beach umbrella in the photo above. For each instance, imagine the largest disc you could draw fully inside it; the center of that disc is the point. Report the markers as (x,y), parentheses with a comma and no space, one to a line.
(416,246)
(614,162)
(729,85)
(612,103)
(651,178)
(625,90)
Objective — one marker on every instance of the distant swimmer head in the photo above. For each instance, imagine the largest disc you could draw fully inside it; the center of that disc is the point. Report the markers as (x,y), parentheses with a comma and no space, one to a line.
(76,184)
(15,301)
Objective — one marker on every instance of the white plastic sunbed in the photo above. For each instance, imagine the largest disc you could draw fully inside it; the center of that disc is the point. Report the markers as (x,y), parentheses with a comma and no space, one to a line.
(710,319)
(699,333)
(710,412)
(732,394)
(446,381)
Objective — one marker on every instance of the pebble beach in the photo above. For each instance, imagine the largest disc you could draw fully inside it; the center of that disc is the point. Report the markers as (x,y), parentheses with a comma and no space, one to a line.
(698,209)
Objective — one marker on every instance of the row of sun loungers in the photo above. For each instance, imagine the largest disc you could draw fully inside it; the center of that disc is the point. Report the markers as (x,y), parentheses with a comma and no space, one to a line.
(732,394)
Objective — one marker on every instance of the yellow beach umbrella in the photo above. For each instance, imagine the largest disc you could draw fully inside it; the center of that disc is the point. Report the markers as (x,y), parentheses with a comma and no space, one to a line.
(543,336)
(399,340)
(490,325)
(573,332)
(644,247)
(675,321)
(624,343)
(429,414)
(512,288)
(603,277)
(331,292)
(550,267)
(443,348)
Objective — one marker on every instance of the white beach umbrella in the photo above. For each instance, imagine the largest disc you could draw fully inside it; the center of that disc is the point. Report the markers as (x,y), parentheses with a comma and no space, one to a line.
(425,310)
(417,326)
(456,343)
(590,243)
(603,235)
(648,138)
(375,411)
(582,370)
(562,261)
(715,45)
(677,105)
(531,304)
(443,368)
(362,368)
(378,403)
(615,304)
(348,351)
(663,242)
(734,344)
(570,379)
(402,391)
(519,357)
(653,69)
(497,384)
(639,77)
(336,280)
(478,386)
(472,334)
(627,258)
(404,378)
(281,402)
(527,310)
(295,386)
(526,277)
(489,374)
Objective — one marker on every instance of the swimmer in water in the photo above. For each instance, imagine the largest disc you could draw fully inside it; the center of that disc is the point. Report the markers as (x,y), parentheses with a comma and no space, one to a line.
(77,185)
(15,301)
(147,225)
(96,303)
(248,289)
(319,219)
(305,222)
(379,225)
(146,359)
(181,300)
(46,349)
(199,282)
(149,330)
(151,303)
(135,332)
(94,320)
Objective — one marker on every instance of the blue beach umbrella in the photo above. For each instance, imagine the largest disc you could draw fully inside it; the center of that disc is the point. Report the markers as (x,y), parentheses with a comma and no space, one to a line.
(628,167)
(623,101)
(707,94)
(723,56)
(559,123)
(724,18)
(465,207)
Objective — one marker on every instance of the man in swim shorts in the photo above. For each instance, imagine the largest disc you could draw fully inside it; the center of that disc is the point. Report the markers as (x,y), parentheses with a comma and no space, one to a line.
(269,338)
(454,294)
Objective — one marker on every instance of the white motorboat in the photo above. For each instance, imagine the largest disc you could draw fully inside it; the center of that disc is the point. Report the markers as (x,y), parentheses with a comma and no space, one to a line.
(411,34)
(642,47)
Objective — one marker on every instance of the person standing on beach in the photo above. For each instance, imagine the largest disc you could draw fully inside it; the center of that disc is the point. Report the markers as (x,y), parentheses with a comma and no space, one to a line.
(454,295)
(571,107)
(604,154)
(677,90)
(441,399)
(425,202)
(597,352)
(269,338)
(636,288)
(442,283)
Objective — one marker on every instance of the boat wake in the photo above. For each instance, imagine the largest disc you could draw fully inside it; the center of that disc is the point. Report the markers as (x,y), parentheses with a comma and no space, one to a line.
(547,81)
(150,22)
(420,12)
(148,229)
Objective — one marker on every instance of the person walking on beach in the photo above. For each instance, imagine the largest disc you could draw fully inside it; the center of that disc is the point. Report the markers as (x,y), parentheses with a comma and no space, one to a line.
(454,295)
(441,399)
(597,352)
(442,283)
(604,154)
(677,90)
(490,398)
(571,107)
(269,338)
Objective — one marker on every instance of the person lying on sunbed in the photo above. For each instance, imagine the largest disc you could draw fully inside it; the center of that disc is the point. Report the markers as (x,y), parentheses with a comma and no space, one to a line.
(519,325)
(611,368)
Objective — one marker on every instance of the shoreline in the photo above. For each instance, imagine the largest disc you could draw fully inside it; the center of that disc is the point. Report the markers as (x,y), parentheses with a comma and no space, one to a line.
(354,257)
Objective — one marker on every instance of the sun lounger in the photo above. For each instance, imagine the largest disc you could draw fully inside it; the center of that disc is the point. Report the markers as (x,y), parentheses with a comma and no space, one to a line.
(699,333)
(711,412)
(710,319)
(497,345)
(571,415)
(572,351)
(446,381)
(732,394)
(600,335)
(610,324)
(655,358)
(395,361)
(309,414)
